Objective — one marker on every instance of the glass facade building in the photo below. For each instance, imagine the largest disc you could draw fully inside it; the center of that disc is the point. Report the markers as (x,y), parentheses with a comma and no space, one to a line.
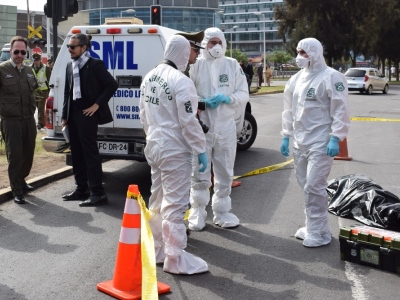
(184,15)
(244,21)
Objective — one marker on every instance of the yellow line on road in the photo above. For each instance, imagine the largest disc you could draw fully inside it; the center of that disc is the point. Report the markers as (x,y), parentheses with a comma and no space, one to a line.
(374,119)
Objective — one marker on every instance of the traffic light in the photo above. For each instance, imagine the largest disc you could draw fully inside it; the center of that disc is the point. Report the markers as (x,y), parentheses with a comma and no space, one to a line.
(48,9)
(155,14)
(63,9)
(70,7)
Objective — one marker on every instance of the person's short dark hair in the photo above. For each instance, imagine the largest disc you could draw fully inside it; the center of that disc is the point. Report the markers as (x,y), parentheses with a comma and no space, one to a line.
(84,39)
(19,39)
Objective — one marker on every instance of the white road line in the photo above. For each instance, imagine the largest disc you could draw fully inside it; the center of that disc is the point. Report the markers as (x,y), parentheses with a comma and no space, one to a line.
(357,289)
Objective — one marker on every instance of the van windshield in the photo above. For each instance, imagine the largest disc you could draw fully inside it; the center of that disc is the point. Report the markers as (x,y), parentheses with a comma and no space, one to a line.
(5,55)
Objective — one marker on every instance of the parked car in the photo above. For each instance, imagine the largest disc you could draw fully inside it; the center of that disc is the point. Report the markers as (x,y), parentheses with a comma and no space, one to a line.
(366,80)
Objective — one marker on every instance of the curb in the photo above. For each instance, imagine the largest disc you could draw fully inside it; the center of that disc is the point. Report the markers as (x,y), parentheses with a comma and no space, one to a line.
(6,194)
(266,93)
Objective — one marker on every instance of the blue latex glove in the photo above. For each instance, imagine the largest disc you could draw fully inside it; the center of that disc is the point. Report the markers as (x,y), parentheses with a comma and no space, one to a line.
(203,161)
(218,99)
(285,146)
(333,147)
(222,98)
(210,103)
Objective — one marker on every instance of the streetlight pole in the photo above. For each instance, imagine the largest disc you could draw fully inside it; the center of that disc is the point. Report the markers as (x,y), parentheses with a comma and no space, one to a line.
(219,12)
(263,18)
(234,27)
(127,11)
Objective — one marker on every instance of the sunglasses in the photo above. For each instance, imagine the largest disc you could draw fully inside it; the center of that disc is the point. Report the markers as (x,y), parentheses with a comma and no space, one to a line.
(72,47)
(196,49)
(16,52)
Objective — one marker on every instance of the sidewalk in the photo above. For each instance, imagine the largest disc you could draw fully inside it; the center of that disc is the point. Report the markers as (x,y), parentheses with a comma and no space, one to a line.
(6,194)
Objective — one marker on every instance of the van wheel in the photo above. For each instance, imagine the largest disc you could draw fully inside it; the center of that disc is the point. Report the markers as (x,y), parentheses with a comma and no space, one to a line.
(369,90)
(386,89)
(248,134)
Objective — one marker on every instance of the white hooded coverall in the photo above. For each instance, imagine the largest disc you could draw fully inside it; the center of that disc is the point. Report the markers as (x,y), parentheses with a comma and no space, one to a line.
(168,106)
(315,108)
(213,76)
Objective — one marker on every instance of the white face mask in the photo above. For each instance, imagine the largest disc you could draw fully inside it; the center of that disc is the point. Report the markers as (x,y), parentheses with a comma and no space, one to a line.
(215,51)
(302,62)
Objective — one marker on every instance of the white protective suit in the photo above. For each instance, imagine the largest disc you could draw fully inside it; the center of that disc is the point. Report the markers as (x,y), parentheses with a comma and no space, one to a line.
(315,108)
(168,106)
(213,76)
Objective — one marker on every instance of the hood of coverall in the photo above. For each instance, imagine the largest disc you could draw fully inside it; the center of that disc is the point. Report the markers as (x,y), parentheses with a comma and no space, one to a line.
(210,33)
(315,52)
(177,50)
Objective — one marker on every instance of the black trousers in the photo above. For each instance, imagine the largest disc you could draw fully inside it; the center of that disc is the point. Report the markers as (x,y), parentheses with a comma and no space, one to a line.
(19,137)
(86,161)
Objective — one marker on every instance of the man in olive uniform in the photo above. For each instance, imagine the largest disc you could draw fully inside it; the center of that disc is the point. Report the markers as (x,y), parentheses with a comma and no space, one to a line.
(17,108)
(42,73)
(195,45)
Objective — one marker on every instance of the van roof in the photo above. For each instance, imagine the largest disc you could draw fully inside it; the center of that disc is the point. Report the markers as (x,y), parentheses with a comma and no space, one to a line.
(6,46)
(122,29)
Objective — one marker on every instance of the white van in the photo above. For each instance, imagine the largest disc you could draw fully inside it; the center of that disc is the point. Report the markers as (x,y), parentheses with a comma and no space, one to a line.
(5,52)
(129,52)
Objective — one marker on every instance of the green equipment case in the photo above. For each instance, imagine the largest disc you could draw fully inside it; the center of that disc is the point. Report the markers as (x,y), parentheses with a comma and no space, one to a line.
(370,246)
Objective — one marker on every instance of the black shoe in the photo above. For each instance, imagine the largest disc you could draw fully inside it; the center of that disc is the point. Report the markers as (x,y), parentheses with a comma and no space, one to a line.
(76,195)
(62,148)
(95,201)
(27,188)
(19,199)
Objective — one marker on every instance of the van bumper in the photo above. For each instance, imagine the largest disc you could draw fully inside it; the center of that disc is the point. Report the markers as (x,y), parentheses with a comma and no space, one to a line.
(135,147)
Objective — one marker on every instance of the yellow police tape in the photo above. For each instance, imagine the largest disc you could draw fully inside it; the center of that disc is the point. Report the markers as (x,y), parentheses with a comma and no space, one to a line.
(374,119)
(265,169)
(149,274)
(255,172)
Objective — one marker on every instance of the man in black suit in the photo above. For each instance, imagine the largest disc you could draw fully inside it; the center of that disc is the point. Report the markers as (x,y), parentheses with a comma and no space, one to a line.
(88,88)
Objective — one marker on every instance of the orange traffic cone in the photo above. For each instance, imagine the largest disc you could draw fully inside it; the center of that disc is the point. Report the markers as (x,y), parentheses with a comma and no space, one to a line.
(235,183)
(343,154)
(127,280)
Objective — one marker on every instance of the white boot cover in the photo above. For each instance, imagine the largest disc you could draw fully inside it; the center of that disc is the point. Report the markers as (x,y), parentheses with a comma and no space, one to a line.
(178,261)
(300,233)
(197,213)
(318,231)
(222,216)
(314,239)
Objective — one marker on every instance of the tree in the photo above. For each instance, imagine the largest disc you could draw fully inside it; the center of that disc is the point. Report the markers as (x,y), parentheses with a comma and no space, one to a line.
(280,56)
(340,25)
(385,39)
(237,54)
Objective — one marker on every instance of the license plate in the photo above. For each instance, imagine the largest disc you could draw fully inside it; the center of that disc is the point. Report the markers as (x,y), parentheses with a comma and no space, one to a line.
(110,147)
(352,84)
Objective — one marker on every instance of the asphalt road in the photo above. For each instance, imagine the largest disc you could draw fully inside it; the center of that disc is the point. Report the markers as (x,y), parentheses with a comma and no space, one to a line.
(52,249)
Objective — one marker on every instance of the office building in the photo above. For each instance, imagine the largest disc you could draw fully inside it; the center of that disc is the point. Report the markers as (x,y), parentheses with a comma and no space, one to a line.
(245,21)
(184,15)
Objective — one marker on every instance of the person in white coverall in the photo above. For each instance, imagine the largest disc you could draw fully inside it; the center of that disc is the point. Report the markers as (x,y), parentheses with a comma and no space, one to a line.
(221,83)
(168,106)
(316,115)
